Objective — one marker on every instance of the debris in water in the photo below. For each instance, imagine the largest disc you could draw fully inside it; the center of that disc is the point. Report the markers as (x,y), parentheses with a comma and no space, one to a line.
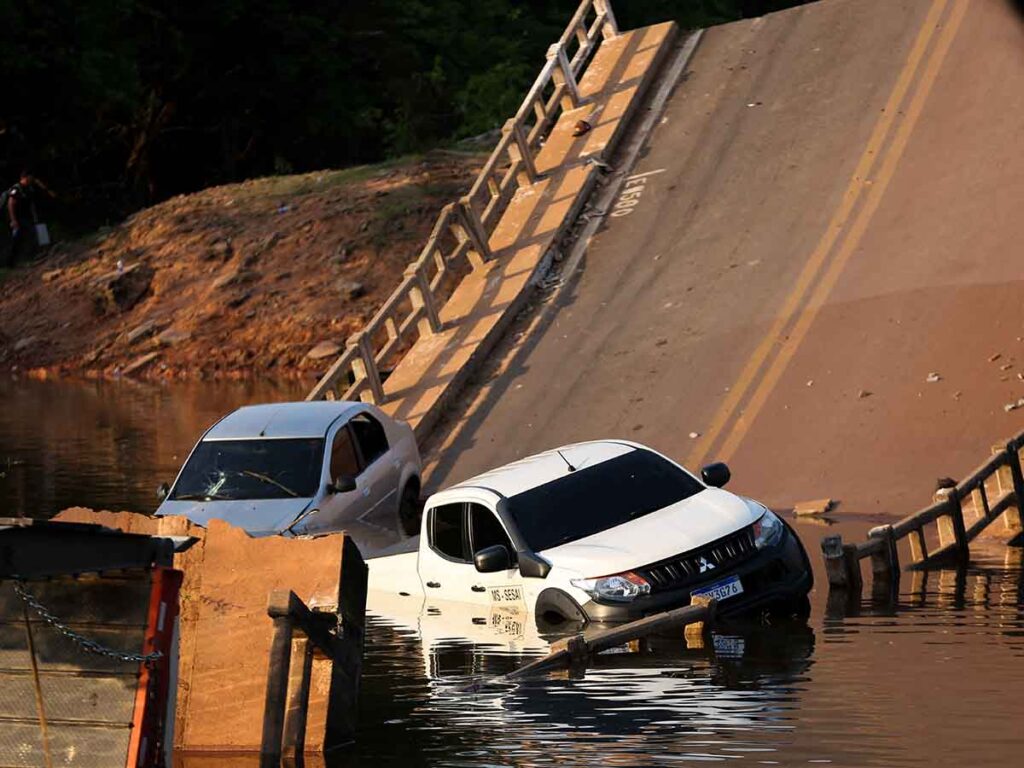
(933,377)
(864,393)
(815,507)
(694,435)
(1006,366)
(810,382)
(1011,407)
(996,356)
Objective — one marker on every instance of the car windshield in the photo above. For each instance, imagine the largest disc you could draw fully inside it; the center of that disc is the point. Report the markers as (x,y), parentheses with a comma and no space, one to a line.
(594,499)
(228,470)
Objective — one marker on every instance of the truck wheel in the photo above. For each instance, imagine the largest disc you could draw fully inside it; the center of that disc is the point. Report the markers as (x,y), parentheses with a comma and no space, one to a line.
(410,509)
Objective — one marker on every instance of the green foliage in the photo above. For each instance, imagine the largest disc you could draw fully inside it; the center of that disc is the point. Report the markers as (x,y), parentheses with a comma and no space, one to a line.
(123,102)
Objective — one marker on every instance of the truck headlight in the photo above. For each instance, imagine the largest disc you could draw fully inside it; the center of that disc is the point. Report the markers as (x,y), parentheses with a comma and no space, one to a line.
(620,588)
(768,530)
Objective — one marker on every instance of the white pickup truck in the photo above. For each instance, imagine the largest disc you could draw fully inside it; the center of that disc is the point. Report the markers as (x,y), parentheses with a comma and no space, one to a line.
(599,531)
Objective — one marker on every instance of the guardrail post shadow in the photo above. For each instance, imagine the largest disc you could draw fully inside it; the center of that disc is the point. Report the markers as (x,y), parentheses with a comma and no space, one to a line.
(1013,518)
(519,149)
(563,76)
(365,368)
(610,27)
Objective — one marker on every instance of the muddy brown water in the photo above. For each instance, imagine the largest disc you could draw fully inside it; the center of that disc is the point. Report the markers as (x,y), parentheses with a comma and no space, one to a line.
(935,677)
(105,444)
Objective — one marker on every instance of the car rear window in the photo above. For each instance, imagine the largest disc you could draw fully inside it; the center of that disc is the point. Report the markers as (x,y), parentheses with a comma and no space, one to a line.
(594,499)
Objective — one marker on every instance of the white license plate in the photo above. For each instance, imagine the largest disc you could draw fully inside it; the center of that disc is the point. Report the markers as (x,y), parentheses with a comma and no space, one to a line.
(506,594)
(729,646)
(721,590)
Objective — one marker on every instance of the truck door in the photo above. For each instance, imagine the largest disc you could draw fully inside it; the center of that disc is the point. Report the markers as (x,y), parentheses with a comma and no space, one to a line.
(454,533)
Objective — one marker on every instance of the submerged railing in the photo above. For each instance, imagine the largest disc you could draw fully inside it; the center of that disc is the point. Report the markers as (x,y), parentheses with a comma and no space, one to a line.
(461,236)
(994,490)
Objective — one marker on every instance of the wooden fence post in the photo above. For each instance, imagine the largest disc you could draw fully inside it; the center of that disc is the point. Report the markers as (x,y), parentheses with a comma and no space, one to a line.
(885,564)
(277,678)
(519,148)
(421,296)
(610,28)
(469,222)
(841,564)
(293,738)
(1014,519)
(562,75)
(695,633)
(951,524)
(365,367)
(918,546)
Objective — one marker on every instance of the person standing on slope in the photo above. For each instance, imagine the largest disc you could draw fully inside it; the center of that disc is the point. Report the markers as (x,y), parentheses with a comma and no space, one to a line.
(21,212)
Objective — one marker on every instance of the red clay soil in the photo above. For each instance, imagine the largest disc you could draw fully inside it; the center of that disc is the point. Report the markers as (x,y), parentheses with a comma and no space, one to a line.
(231,282)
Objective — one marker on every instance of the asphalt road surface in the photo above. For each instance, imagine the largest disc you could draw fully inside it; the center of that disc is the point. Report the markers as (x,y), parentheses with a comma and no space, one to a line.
(830,213)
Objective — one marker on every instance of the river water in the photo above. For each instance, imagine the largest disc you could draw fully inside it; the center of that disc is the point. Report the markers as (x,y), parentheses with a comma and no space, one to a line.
(934,677)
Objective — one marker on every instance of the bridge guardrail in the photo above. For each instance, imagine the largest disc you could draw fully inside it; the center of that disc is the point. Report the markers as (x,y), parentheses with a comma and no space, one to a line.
(994,489)
(463,229)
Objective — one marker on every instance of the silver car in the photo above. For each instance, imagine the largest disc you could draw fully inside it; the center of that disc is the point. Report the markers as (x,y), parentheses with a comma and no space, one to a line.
(301,468)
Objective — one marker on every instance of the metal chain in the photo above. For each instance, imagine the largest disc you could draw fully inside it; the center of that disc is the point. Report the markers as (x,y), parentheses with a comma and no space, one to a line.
(84,642)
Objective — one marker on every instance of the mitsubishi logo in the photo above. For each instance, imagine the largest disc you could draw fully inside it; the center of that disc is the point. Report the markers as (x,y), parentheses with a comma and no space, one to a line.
(705,565)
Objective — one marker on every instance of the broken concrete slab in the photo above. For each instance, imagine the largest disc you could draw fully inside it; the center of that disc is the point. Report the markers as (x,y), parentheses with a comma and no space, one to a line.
(225,634)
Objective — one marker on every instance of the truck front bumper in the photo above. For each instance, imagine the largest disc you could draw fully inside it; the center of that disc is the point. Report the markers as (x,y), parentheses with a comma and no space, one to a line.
(776,576)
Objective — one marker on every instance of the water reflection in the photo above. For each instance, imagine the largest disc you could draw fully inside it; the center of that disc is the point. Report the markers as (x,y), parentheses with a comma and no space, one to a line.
(105,444)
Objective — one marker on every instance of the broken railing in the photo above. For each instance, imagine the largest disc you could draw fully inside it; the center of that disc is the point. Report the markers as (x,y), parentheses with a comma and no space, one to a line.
(299,634)
(577,650)
(993,491)
(460,238)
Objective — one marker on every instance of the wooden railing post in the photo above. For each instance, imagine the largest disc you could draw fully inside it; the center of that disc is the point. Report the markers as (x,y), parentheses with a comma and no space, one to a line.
(841,565)
(951,524)
(1013,519)
(885,564)
(469,222)
(918,546)
(293,738)
(519,148)
(421,297)
(610,28)
(365,367)
(277,678)
(562,75)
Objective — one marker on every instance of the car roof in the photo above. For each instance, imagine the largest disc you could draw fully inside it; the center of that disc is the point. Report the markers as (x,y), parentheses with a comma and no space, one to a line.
(524,474)
(279,420)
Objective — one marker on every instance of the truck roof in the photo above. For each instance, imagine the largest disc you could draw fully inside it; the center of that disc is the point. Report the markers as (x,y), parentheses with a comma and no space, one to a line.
(524,474)
(280,420)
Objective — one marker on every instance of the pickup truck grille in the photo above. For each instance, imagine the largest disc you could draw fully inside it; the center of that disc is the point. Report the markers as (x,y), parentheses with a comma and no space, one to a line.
(715,557)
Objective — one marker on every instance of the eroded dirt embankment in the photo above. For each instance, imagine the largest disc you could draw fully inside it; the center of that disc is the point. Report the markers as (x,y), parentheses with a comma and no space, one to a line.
(231,282)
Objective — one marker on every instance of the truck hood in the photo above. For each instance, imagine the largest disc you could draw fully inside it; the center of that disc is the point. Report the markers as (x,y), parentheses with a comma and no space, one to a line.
(686,525)
(257,517)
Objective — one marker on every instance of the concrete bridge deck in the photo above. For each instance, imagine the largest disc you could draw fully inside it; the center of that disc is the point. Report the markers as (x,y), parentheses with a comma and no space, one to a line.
(831,215)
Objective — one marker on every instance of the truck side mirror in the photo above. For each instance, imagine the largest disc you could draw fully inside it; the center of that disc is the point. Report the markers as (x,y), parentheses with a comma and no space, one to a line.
(716,475)
(492,559)
(342,484)
(162,491)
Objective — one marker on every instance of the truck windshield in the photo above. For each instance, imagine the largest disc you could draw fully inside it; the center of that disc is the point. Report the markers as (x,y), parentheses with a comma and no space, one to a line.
(594,499)
(222,470)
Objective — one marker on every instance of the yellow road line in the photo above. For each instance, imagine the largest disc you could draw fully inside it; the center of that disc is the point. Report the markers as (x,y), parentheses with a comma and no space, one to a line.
(817,258)
(871,203)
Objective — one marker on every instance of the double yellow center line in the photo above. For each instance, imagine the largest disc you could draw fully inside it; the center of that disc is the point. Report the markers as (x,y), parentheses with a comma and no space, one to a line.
(826,260)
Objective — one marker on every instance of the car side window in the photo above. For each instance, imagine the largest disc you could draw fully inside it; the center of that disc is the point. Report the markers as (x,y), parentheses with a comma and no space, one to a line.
(448,531)
(343,455)
(373,442)
(486,530)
